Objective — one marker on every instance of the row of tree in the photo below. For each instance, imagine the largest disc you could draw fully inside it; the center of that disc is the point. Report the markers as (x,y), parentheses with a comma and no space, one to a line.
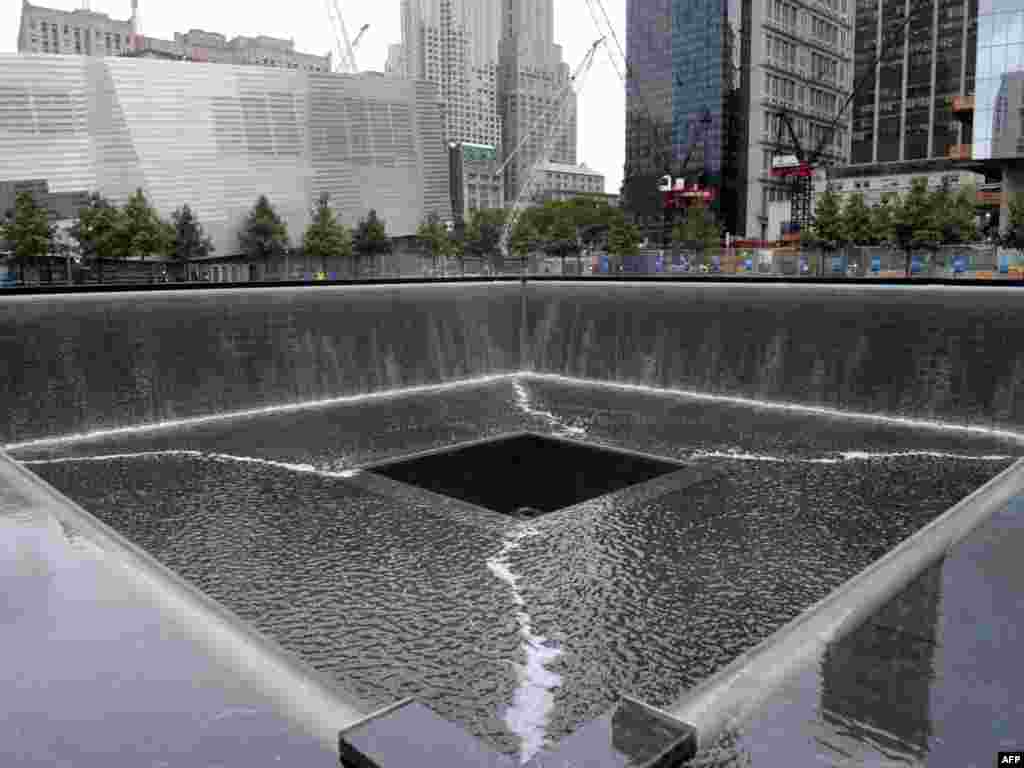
(106,232)
(920,220)
(562,229)
(265,235)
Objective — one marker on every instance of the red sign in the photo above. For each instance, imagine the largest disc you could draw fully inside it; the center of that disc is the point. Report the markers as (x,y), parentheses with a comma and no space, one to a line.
(803,170)
(680,197)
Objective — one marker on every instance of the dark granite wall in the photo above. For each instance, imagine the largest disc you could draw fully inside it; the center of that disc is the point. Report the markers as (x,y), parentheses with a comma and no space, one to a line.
(78,363)
(83,362)
(935,352)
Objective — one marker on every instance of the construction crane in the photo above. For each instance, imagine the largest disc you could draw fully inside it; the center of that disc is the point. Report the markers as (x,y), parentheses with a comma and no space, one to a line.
(345,48)
(553,128)
(359,36)
(801,165)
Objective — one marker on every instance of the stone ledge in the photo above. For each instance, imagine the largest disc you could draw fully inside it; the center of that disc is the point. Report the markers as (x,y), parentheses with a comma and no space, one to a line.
(633,735)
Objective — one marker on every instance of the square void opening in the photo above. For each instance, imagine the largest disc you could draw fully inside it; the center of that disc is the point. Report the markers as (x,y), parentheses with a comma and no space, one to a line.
(526,475)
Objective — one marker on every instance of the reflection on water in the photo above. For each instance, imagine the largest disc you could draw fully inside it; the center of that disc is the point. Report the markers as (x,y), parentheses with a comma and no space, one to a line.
(528,714)
(876,681)
(400,596)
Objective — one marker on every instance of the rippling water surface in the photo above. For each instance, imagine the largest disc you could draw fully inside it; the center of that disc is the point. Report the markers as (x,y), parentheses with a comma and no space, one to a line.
(521,631)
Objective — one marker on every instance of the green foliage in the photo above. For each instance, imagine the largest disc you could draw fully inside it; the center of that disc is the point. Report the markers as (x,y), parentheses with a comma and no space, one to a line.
(1014,235)
(882,219)
(434,235)
(187,238)
(525,238)
(264,234)
(960,223)
(483,235)
(698,230)
(560,237)
(371,238)
(141,232)
(27,229)
(828,221)
(915,223)
(592,217)
(624,239)
(97,231)
(326,236)
(857,225)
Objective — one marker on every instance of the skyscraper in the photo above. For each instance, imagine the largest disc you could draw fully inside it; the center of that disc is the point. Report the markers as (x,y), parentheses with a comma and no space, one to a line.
(454,43)
(707,80)
(535,92)
(906,110)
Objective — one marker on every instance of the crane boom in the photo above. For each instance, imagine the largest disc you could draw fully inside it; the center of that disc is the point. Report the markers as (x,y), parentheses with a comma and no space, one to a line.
(343,43)
(552,111)
(549,140)
(359,36)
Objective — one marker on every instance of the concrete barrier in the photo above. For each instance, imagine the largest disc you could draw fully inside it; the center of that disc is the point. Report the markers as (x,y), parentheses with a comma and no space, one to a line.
(730,696)
(300,694)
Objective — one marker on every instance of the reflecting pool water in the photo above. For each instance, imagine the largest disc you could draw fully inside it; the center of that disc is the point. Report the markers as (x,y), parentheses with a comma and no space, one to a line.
(520,630)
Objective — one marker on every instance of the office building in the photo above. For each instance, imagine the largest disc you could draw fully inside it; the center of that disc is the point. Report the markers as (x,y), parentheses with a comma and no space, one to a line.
(475,184)
(999,84)
(218,136)
(538,104)
(707,81)
(81,31)
(454,43)
(997,131)
(561,181)
(906,110)
(87,33)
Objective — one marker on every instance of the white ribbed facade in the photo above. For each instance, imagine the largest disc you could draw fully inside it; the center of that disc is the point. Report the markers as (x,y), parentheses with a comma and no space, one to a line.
(218,136)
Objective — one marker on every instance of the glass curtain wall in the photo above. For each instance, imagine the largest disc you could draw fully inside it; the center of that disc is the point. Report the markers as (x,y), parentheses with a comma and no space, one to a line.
(999,86)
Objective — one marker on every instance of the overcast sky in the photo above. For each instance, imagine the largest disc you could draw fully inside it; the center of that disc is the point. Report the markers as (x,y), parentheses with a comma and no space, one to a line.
(601,104)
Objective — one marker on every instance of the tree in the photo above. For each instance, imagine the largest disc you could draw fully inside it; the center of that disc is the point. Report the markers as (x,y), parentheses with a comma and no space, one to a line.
(263,234)
(624,239)
(97,231)
(483,235)
(856,221)
(326,236)
(828,221)
(188,240)
(27,228)
(141,232)
(960,223)
(370,240)
(593,218)
(698,230)
(882,219)
(524,238)
(433,234)
(1013,237)
(914,223)
(560,238)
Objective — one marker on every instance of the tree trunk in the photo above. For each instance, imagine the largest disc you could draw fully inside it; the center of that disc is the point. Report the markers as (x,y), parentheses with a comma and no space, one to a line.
(907,262)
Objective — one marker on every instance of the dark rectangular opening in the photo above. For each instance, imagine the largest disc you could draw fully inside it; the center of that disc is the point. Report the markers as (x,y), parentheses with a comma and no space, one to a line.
(526,474)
